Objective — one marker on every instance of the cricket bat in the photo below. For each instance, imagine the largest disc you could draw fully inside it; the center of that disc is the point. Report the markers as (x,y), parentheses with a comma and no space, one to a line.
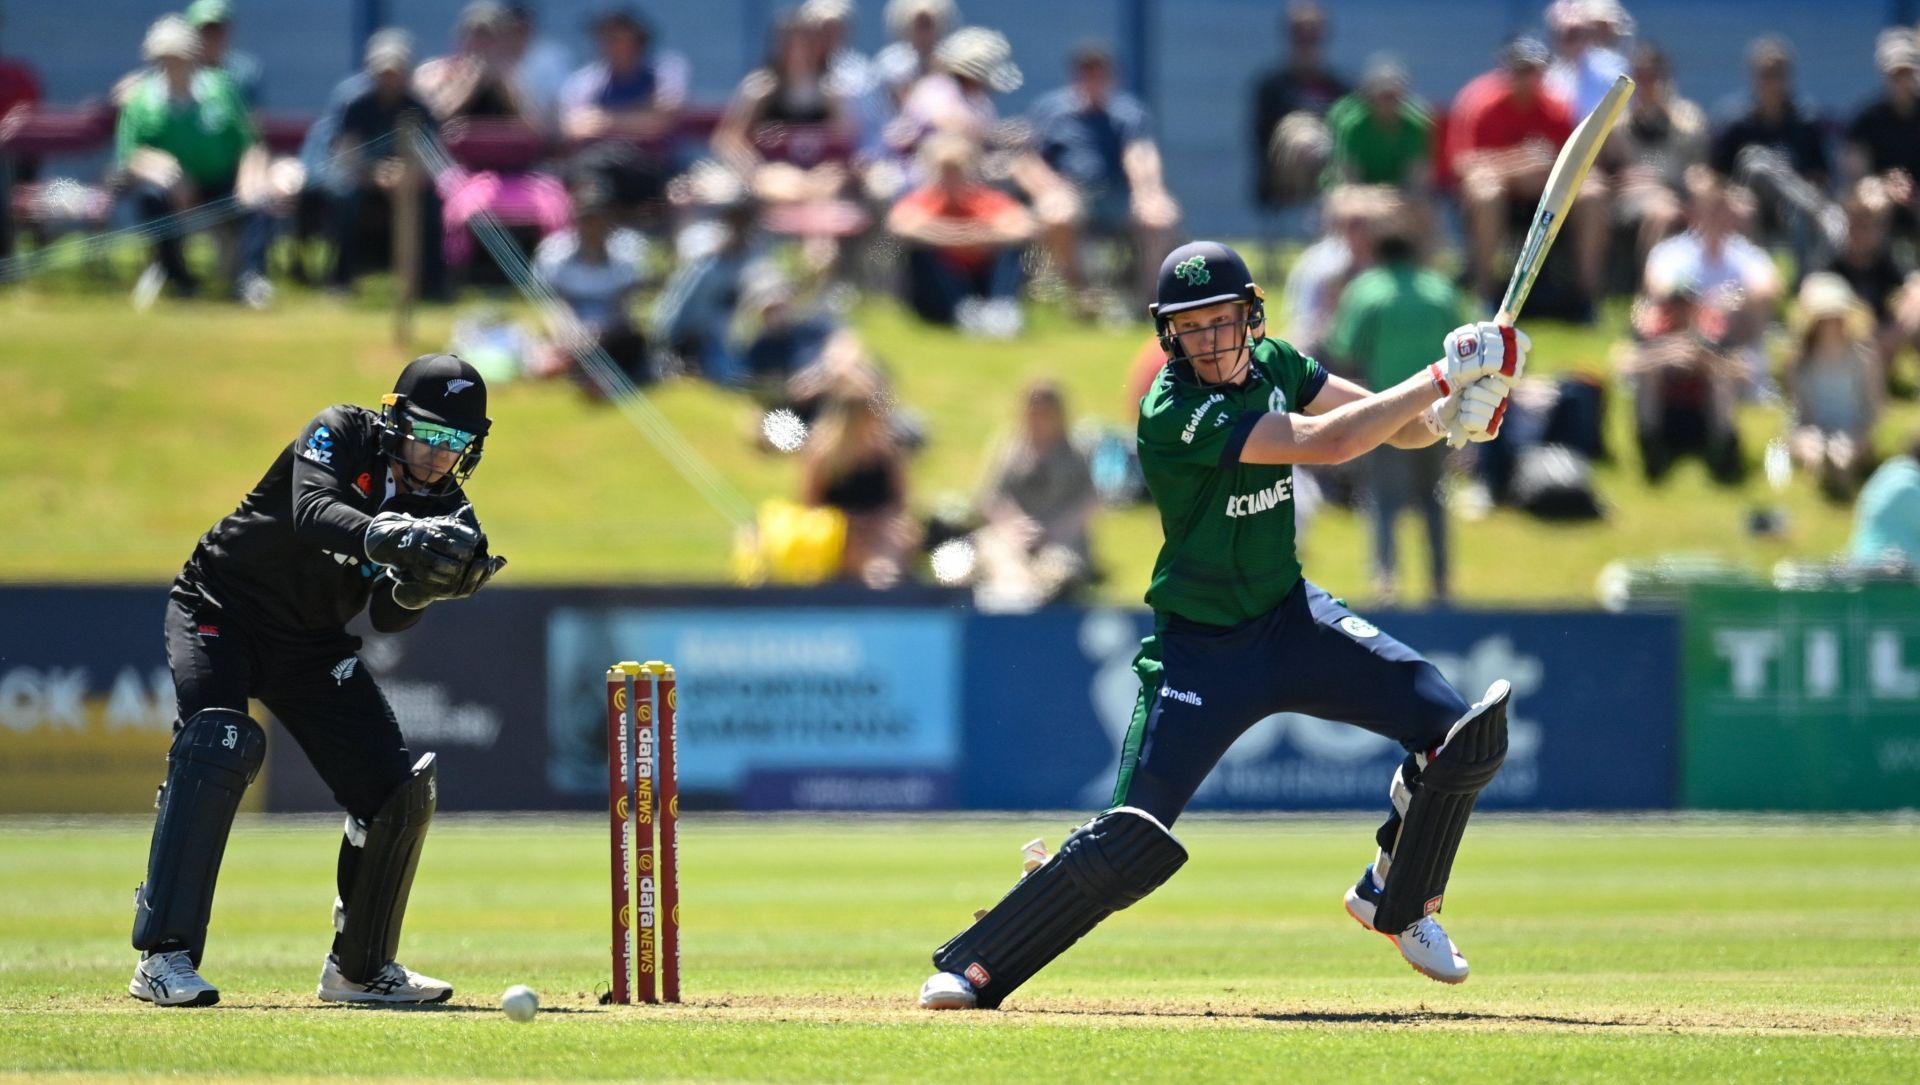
(1569,170)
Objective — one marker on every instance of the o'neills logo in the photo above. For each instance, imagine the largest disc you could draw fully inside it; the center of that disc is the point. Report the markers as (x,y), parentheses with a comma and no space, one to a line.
(1260,500)
(1181,695)
(1193,421)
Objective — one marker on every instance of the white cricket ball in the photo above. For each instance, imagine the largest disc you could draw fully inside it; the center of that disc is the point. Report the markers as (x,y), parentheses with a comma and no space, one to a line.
(520,1003)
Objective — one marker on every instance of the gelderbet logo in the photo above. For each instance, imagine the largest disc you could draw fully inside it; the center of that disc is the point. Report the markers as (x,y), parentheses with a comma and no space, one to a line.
(1193,271)
(1193,420)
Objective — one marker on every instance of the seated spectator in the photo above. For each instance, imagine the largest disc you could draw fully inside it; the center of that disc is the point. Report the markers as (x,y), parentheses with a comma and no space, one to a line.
(1097,139)
(1038,501)
(855,465)
(1290,102)
(971,65)
(368,166)
(790,91)
(1381,135)
(780,336)
(1833,381)
(1722,267)
(1774,121)
(1388,320)
(1505,131)
(182,137)
(694,314)
(1866,262)
(594,269)
(916,27)
(850,73)
(1883,140)
(1661,136)
(1349,217)
(1886,519)
(214,20)
(19,85)
(963,238)
(478,82)
(541,65)
(632,89)
(1587,37)
(1684,383)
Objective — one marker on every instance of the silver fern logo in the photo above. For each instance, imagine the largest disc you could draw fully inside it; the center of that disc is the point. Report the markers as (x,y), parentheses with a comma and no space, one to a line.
(343,670)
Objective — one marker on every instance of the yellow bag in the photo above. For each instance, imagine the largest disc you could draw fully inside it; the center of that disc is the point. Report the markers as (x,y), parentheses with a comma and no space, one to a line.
(790,543)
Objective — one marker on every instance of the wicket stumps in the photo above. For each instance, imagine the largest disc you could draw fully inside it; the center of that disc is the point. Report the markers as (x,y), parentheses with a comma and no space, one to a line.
(643,789)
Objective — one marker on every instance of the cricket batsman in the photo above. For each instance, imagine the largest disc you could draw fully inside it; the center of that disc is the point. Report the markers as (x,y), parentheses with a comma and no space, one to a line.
(1240,634)
(363,510)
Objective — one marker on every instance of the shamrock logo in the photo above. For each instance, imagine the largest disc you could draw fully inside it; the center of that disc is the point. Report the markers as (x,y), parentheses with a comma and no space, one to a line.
(1193,270)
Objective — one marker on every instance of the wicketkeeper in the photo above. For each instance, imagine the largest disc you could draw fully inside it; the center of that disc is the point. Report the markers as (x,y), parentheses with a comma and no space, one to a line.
(363,510)
(1239,634)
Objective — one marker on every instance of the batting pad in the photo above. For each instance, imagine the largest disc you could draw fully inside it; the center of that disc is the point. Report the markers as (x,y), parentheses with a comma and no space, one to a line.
(1104,866)
(214,757)
(1437,814)
(377,903)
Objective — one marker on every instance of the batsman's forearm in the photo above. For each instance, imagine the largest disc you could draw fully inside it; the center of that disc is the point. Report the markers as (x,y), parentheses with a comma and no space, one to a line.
(1365,424)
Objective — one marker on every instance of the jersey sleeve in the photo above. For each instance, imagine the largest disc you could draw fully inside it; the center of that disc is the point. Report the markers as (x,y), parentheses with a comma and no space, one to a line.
(1302,377)
(1202,432)
(327,456)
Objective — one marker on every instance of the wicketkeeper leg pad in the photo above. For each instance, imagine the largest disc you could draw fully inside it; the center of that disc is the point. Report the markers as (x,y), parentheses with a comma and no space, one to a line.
(1441,800)
(376,901)
(1105,865)
(215,755)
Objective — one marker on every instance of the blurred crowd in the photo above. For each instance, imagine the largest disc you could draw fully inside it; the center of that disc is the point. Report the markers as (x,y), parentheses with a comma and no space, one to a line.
(1764,248)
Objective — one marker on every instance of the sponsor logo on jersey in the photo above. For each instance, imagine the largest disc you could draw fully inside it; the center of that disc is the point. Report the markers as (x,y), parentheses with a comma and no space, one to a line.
(1181,695)
(458,385)
(1193,420)
(364,484)
(343,670)
(205,630)
(343,559)
(1359,627)
(1260,501)
(319,446)
(1193,271)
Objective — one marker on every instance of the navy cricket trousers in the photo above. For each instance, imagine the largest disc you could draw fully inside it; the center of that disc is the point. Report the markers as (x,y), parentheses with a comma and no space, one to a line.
(1203,686)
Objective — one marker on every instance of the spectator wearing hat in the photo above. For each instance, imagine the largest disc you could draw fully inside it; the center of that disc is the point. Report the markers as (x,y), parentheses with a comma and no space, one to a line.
(916,27)
(1587,38)
(214,20)
(369,164)
(1505,130)
(180,141)
(970,66)
(1833,383)
(1883,139)
(632,88)
(1660,137)
(1290,102)
(1097,142)
(593,267)
(1381,134)
(963,238)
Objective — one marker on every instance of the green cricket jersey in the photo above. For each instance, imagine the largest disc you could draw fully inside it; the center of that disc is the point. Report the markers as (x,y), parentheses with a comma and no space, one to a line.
(1228,555)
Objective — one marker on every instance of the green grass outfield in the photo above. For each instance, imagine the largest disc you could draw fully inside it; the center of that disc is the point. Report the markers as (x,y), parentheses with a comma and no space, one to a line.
(127,434)
(1630,950)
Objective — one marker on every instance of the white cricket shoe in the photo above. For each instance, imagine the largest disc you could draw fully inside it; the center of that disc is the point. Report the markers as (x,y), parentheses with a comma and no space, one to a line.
(947,991)
(1425,944)
(396,983)
(169,979)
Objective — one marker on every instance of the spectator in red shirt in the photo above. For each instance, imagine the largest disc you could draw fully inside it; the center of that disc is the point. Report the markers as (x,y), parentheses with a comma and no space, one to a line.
(1505,129)
(963,241)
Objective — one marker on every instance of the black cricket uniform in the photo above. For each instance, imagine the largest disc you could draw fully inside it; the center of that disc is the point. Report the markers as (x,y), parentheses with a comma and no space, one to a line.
(260,609)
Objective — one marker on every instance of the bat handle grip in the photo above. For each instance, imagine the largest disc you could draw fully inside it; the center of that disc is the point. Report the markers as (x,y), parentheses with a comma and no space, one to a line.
(1503,318)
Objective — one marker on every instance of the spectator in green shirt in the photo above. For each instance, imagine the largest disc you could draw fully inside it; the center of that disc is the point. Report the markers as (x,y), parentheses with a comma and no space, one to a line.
(1385,327)
(1381,134)
(182,138)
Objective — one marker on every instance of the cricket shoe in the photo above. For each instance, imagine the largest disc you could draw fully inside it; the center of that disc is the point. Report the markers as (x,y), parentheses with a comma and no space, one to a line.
(395,984)
(169,979)
(1424,944)
(947,991)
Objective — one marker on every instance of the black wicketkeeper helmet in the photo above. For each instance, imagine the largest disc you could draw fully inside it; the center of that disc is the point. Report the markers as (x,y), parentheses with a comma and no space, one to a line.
(439,401)
(1198,274)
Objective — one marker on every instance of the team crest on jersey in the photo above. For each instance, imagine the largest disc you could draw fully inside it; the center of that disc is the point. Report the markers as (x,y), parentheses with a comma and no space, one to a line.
(1193,271)
(1359,627)
(344,669)
(320,445)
